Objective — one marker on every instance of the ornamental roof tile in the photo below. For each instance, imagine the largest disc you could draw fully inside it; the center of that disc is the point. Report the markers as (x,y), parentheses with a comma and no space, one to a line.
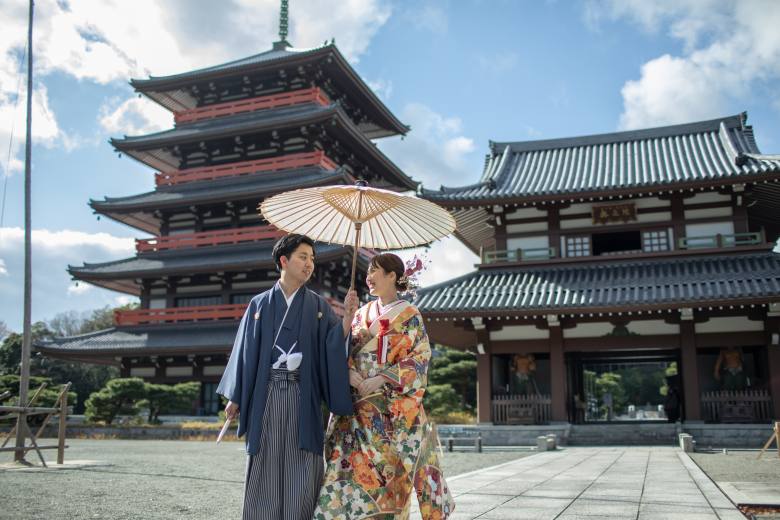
(626,284)
(717,150)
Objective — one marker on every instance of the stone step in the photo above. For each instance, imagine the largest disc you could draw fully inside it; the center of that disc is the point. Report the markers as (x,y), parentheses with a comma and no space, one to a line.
(663,434)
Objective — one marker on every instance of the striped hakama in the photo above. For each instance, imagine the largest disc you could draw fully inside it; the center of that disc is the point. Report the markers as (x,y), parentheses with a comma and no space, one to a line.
(282,480)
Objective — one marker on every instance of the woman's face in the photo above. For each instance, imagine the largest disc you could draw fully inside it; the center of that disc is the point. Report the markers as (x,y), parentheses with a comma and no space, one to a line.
(380,282)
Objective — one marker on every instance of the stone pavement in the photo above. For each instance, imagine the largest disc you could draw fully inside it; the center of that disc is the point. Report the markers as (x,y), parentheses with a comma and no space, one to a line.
(753,493)
(644,483)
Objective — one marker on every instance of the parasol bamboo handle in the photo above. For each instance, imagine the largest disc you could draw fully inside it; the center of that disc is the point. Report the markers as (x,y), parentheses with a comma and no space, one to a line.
(358,225)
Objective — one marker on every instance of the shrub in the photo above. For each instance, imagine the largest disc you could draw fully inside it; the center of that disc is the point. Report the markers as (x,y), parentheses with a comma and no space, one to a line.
(441,400)
(164,399)
(119,396)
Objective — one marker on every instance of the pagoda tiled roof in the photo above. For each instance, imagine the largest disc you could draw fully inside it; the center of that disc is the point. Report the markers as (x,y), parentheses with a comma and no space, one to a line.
(120,275)
(149,148)
(137,210)
(714,152)
(579,287)
(273,56)
(169,91)
(190,338)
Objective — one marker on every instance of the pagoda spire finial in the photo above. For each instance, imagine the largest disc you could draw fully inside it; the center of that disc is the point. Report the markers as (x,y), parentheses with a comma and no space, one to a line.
(283,21)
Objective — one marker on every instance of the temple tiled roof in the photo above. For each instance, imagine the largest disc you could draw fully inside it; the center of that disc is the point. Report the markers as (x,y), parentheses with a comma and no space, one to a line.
(707,152)
(187,337)
(624,285)
(170,91)
(120,275)
(139,210)
(153,149)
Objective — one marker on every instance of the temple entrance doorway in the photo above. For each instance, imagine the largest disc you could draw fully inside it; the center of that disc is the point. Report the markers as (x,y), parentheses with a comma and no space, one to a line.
(626,387)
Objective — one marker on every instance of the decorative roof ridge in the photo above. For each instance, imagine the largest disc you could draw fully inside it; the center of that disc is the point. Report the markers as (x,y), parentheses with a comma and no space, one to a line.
(195,252)
(61,339)
(712,125)
(450,189)
(178,253)
(226,127)
(219,68)
(249,117)
(592,266)
(196,186)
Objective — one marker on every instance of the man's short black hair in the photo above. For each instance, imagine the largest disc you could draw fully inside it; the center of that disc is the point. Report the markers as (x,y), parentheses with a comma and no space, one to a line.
(287,245)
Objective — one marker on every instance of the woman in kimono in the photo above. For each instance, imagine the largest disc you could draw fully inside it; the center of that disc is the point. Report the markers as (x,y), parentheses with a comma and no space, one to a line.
(376,458)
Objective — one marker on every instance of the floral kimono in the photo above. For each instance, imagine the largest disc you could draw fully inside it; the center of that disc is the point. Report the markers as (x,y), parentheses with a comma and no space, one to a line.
(379,456)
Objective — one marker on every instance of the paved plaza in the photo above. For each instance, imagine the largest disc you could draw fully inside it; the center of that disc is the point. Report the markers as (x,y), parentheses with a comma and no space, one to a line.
(590,483)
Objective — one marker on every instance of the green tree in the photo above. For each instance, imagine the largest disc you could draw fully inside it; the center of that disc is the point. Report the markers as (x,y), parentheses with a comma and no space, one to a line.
(441,400)
(119,396)
(87,378)
(610,382)
(165,399)
(47,398)
(642,384)
(457,369)
(11,349)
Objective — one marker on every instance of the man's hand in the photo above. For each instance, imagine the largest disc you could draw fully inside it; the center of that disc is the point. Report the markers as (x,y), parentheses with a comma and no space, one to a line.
(350,308)
(355,378)
(371,385)
(231,410)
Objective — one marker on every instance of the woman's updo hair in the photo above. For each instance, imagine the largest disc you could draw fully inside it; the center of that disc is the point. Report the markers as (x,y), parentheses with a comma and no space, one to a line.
(391,263)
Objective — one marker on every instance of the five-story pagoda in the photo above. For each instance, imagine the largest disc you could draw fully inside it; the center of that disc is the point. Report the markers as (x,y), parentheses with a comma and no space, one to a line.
(244,130)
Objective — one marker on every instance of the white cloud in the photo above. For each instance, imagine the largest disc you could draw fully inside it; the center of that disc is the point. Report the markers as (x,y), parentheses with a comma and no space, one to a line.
(499,62)
(124,299)
(382,88)
(113,41)
(53,290)
(3,270)
(79,288)
(436,151)
(449,258)
(730,49)
(134,116)
(428,17)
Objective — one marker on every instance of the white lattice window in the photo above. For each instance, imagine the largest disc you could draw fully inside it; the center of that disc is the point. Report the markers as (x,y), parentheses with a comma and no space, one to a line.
(656,240)
(578,246)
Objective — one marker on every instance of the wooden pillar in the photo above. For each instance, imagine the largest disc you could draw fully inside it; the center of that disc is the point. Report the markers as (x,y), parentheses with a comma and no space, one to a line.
(500,228)
(170,292)
(124,368)
(554,229)
(227,287)
(165,220)
(740,213)
(484,388)
(484,373)
(159,368)
(557,370)
(146,291)
(772,328)
(678,218)
(690,371)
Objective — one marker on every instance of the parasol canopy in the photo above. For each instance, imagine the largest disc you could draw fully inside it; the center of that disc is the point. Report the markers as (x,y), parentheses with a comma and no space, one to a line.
(358,215)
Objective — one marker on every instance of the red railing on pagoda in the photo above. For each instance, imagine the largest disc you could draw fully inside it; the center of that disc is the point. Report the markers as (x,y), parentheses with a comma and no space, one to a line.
(297,97)
(228,312)
(206,238)
(285,162)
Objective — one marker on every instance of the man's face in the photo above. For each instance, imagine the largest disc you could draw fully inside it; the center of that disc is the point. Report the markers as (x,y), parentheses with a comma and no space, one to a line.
(300,265)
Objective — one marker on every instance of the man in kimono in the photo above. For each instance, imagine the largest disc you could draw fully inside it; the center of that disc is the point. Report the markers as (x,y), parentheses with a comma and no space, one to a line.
(288,357)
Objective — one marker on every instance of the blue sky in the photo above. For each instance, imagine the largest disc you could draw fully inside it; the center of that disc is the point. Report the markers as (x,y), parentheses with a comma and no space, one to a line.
(460,73)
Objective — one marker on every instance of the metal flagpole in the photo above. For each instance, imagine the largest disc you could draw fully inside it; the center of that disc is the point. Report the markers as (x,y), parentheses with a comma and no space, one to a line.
(24,380)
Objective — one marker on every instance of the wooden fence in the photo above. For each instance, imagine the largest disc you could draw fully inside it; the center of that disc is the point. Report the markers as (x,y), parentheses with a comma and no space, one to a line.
(748,406)
(521,409)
